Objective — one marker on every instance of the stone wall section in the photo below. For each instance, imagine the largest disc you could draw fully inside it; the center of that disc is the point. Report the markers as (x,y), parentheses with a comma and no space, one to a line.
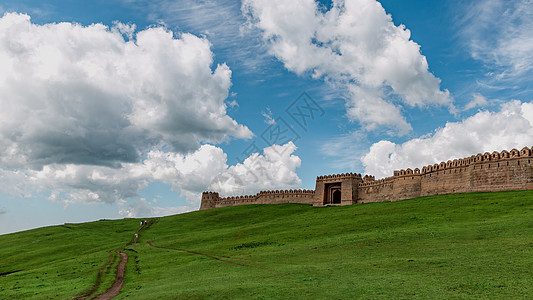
(496,171)
(263,197)
(376,190)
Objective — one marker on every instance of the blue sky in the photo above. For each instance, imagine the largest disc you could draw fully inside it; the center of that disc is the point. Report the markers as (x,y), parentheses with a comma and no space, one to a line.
(132,108)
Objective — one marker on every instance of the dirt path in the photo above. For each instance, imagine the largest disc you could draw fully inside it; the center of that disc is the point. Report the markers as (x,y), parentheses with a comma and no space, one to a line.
(114,290)
(119,279)
(121,267)
(144,225)
(214,257)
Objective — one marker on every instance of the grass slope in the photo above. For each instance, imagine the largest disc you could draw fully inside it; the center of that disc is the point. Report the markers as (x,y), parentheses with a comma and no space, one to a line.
(450,247)
(61,262)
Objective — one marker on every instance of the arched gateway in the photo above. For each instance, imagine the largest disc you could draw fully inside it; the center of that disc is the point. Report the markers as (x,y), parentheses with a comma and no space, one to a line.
(337,189)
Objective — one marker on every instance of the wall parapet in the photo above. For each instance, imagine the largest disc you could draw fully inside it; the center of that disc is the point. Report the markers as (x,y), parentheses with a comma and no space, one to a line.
(297,191)
(495,156)
(381,181)
(339,176)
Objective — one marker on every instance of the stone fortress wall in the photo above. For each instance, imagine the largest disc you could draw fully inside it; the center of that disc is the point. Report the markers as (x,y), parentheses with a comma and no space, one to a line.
(496,171)
(211,199)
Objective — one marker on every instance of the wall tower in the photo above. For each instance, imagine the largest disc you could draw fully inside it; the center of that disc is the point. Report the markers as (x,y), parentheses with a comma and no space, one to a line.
(209,200)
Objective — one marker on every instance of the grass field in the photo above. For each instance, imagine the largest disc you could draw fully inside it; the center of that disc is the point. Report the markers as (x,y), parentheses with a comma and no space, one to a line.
(441,247)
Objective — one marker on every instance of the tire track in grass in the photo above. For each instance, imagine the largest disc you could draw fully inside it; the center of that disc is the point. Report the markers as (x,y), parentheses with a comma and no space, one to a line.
(215,257)
(119,279)
(98,278)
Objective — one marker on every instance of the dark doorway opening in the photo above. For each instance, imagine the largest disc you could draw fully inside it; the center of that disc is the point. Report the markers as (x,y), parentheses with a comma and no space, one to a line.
(336,197)
(332,193)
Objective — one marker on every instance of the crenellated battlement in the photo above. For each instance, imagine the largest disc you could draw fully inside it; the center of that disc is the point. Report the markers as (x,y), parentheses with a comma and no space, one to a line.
(496,171)
(297,191)
(480,158)
(407,172)
(339,176)
(210,193)
(236,198)
(369,178)
(382,181)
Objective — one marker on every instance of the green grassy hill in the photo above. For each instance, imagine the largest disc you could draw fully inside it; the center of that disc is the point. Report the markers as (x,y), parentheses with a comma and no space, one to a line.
(449,247)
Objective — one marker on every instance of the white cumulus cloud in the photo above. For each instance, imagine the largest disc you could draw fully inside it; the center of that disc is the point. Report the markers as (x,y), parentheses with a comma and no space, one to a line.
(189,174)
(73,94)
(274,169)
(511,127)
(94,114)
(356,45)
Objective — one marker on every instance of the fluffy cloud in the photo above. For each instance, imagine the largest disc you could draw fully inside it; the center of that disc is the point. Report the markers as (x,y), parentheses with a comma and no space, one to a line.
(14,182)
(91,114)
(275,169)
(510,127)
(356,45)
(189,174)
(372,111)
(73,94)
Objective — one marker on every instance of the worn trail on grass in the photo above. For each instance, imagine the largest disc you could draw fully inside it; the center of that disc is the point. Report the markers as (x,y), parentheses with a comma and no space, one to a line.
(114,290)
(119,279)
(214,257)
